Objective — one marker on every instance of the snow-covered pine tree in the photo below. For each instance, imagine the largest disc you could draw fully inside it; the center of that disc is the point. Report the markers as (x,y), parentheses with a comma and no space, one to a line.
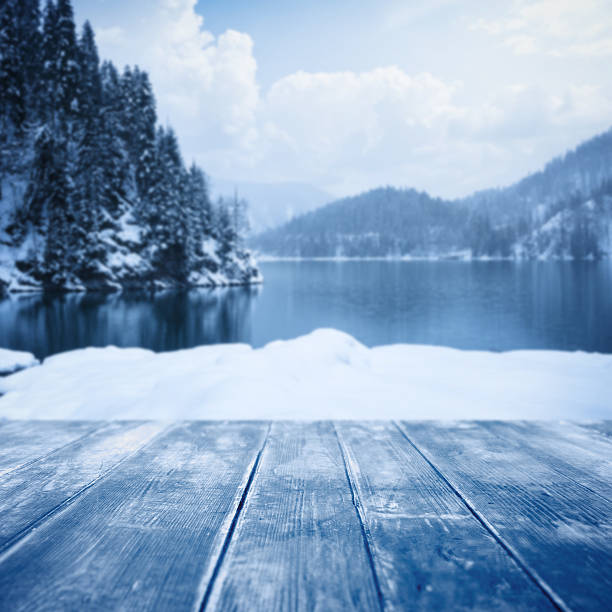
(140,125)
(12,78)
(66,70)
(239,217)
(113,152)
(87,256)
(28,20)
(165,210)
(89,87)
(224,227)
(47,100)
(56,266)
(42,176)
(89,175)
(199,216)
(144,140)
(19,21)
(128,104)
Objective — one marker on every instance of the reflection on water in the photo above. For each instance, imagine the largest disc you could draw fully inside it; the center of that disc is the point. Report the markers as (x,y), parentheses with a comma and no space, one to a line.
(468,305)
(48,324)
(495,305)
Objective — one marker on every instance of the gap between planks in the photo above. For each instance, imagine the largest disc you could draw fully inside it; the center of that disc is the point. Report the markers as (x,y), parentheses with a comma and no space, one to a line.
(208,580)
(549,593)
(21,536)
(365,532)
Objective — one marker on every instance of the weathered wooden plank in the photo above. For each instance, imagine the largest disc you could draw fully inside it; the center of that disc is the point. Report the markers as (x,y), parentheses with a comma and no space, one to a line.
(429,550)
(559,530)
(602,427)
(298,544)
(573,451)
(31,492)
(25,441)
(143,537)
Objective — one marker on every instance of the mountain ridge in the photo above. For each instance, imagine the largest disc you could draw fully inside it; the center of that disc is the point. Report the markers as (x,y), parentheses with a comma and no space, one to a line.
(562,211)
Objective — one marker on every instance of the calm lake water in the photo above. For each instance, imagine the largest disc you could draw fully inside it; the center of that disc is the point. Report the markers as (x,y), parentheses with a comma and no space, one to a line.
(469,305)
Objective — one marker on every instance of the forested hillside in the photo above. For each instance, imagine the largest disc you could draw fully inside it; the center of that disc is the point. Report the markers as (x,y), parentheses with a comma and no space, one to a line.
(378,223)
(93,192)
(564,211)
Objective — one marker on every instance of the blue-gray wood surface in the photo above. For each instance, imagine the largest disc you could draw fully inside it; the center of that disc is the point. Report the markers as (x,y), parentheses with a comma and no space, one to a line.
(345,515)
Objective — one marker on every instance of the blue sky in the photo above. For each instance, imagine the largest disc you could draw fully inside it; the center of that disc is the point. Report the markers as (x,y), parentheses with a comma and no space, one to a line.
(444,95)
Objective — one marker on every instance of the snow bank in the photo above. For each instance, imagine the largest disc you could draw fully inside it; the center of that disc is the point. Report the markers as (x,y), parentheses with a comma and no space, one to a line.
(12,361)
(326,374)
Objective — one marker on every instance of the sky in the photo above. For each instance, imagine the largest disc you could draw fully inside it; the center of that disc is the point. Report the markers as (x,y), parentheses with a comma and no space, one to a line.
(448,96)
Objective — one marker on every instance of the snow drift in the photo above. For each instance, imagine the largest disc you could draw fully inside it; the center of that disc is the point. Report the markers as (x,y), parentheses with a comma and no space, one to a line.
(13,361)
(326,374)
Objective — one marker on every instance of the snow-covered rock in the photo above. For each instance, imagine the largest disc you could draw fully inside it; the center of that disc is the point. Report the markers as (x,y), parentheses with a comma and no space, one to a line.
(326,374)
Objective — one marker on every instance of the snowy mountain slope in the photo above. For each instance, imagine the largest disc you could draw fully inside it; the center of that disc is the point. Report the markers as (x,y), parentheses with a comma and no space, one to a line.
(579,173)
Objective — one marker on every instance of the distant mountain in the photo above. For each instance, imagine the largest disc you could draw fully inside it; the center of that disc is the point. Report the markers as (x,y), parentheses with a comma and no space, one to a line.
(564,211)
(271,204)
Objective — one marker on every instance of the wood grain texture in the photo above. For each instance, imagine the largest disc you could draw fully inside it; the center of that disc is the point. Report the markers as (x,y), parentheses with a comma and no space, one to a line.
(31,492)
(602,427)
(298,544)
(144,536)
(429,551)
(25,441)
(578,453)
(559,528)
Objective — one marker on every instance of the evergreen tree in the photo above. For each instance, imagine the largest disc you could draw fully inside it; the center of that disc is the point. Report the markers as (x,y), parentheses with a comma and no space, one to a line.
(12,75)
(94,164)
(89,90)
(225,230)
(42,177)
(56,268)
(86,142)
(144,140)
(28,18)
(66,68)
(199,214)
(239,217)
(113,153)
(48,79)
(165,211)
(86,251)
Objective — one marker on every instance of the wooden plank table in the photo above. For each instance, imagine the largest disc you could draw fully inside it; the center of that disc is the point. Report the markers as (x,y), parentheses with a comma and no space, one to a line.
(344,515)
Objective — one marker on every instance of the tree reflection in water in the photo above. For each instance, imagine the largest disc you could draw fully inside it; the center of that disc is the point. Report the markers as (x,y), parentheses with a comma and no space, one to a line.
(164,321)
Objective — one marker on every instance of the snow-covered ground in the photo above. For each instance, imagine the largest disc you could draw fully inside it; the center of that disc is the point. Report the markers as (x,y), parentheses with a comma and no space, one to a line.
(12,361)
(326,374)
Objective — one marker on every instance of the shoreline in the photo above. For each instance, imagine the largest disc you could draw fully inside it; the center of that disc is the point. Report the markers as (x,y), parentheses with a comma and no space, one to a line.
(432,258)
(154,287)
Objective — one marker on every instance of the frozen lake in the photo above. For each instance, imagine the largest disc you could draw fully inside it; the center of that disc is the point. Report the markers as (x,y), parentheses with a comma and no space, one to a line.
(469,305)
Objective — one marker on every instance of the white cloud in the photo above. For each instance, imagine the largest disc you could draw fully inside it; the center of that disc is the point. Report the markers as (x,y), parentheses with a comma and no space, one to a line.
(385,126)
(522,44)
(205,85)
(333,125)
(559,28)
(324,111)
(347,131)
(528,112)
